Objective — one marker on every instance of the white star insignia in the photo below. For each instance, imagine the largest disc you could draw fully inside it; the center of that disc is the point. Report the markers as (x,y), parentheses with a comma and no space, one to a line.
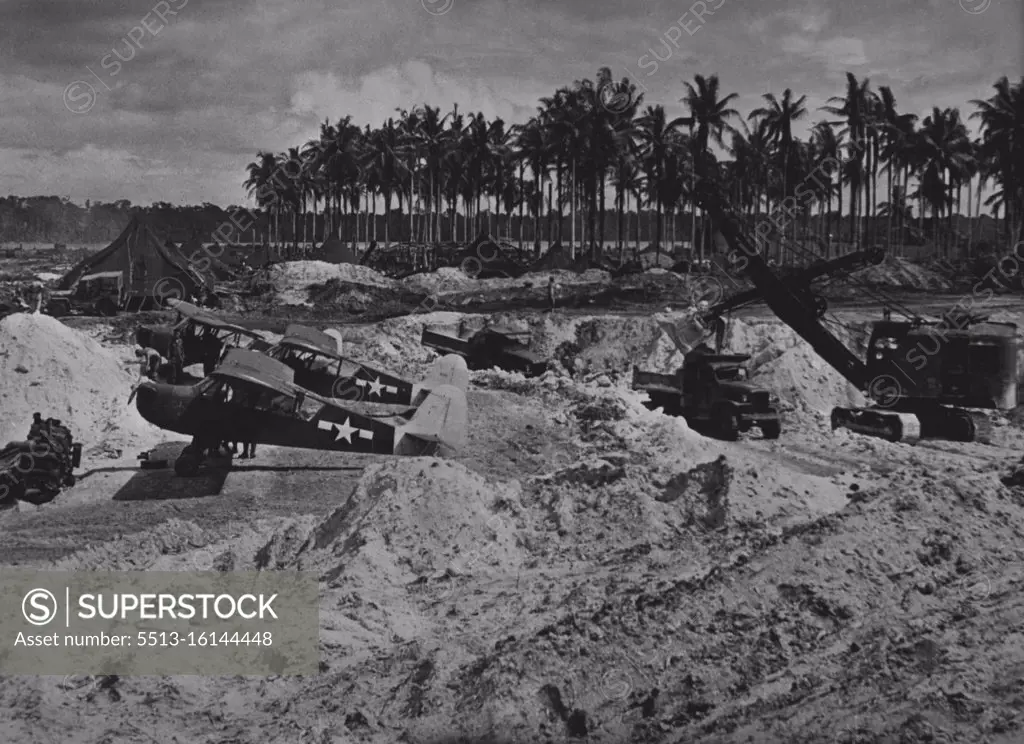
(344,430)
(375,386)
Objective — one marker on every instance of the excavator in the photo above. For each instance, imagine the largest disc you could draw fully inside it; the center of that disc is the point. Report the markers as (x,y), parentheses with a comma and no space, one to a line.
(922,375)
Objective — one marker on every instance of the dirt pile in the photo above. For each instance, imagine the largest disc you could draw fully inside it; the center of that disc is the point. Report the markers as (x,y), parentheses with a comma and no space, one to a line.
(899,272)
(292,280)
(594,345)
(47,367)
(413,519)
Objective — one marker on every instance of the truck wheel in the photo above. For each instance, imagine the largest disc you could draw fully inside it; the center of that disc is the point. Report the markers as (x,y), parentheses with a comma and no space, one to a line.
(728,424)
(771,429)
(106,307)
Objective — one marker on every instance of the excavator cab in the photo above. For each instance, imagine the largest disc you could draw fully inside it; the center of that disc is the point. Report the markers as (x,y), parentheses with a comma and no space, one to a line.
(974,366)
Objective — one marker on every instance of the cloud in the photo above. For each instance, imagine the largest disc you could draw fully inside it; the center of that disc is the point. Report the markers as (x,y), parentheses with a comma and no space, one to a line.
(377,95)
(225,78)
(838,54)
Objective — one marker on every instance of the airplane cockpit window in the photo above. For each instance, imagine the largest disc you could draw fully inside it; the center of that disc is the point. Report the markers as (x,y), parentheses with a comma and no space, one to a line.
(212,390)
(274,402)
(206,387)
(309,408)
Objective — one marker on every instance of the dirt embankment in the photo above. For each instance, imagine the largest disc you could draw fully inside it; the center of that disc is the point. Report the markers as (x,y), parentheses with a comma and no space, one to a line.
(590,570)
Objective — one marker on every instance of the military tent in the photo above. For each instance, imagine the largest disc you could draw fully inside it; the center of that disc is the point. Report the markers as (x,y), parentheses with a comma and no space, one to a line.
(151,268)
(337,252)
(209,260)
(559,258)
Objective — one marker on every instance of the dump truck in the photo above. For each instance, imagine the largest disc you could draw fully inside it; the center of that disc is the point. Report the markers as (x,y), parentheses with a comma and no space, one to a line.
(491,347)
(711,391)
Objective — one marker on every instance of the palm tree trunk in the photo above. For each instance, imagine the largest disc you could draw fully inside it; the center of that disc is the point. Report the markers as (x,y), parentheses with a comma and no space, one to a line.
(572,213)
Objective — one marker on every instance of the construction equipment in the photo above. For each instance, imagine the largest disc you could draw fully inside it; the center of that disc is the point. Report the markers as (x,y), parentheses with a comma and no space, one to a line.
(102,293)
(711,390)
(921,374)
(253,398)
(316,359)
(490,347)
(35,470)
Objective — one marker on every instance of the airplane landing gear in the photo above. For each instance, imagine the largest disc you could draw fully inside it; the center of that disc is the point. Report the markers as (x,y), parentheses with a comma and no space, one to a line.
(188,462)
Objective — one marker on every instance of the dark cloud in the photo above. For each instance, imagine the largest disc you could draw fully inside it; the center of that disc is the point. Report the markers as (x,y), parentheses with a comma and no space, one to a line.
(185,110)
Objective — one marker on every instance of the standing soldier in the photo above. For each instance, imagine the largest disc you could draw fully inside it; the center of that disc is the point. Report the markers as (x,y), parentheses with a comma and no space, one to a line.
(149,362)
(551,293)
(177,358)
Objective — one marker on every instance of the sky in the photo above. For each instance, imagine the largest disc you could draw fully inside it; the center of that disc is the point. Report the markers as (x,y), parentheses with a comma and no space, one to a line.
(168,101)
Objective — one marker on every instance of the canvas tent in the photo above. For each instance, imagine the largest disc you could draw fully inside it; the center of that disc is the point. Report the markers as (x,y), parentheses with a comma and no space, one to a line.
(337,252)
(149,266)
(208,260)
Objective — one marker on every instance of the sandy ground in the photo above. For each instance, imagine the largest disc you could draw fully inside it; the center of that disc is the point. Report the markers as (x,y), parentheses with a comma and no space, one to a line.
(583,570)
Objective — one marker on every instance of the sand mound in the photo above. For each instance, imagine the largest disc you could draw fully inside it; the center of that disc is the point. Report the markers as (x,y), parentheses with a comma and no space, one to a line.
(292,279)
(47,367)
(898,272)
(409,519)
(445,279)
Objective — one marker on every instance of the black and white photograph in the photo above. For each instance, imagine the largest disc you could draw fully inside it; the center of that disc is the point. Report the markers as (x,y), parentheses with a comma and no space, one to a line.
(511,372)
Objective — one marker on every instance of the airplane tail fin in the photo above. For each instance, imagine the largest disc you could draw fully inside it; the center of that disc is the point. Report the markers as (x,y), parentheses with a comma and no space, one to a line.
(440,420)
(450,369)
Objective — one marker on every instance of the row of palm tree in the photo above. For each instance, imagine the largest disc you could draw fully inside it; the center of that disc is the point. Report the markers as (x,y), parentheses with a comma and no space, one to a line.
(453,175)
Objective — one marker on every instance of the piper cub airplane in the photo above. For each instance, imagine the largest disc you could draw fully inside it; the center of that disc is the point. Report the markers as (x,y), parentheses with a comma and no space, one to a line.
(316,359)
(251,397)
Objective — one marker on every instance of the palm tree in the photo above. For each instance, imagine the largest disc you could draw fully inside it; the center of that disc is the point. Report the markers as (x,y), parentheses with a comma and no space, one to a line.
(386,152)
(261,184)
(945,153)
(779,117)
(1002,128)
(827,146)
(534,150)
(709,114)
(660,141)
(855,108)
(898,142)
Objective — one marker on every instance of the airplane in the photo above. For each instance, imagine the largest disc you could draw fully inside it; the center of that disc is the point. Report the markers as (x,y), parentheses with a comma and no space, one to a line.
(251,397)
(202,330)
(319,366)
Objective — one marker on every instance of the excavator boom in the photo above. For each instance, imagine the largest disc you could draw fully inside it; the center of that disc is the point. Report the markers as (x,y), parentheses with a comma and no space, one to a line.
(790,307)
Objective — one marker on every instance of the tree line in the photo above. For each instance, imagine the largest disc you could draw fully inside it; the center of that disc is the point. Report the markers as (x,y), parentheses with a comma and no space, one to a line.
(593,142)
